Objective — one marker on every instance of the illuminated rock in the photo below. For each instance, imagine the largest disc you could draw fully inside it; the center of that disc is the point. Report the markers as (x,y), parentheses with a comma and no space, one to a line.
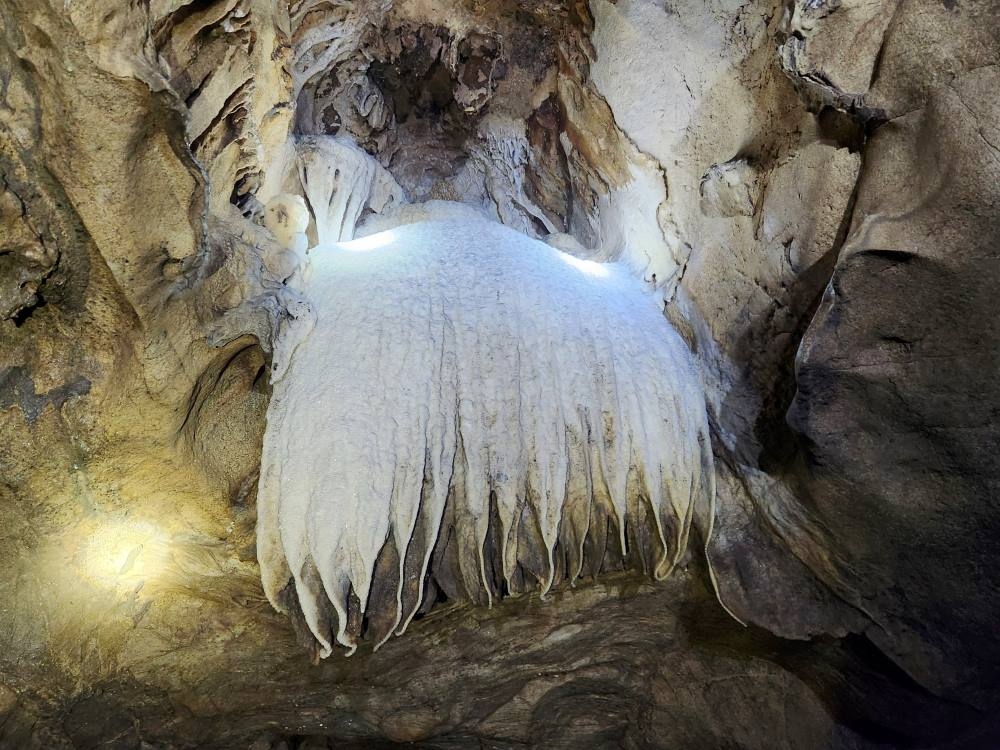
(479,406)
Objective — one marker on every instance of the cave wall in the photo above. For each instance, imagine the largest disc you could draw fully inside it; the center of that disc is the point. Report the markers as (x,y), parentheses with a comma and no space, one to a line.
(896,396)
(817,183)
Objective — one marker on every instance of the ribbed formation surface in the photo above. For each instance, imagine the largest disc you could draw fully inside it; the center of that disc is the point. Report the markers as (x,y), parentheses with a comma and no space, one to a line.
(475,414)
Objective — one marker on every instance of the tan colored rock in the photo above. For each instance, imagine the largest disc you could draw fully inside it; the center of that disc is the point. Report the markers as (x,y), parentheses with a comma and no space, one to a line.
(140,309)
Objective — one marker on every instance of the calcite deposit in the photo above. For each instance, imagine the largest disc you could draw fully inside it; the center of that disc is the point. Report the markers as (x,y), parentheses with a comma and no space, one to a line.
(807,189)
(435,432)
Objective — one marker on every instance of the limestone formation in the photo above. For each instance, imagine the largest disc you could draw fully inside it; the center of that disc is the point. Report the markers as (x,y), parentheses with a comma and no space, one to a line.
(436,431)
(807,190)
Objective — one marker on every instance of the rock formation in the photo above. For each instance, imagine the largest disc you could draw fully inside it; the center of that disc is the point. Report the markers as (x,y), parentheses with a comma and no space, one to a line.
(436,432)
(811,189)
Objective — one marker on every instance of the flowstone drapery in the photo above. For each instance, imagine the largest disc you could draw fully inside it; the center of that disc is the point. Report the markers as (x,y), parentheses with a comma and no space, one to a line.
(475,414)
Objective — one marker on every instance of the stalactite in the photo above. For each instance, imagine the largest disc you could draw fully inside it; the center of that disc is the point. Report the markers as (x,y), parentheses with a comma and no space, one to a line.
(340,181)
(480,410)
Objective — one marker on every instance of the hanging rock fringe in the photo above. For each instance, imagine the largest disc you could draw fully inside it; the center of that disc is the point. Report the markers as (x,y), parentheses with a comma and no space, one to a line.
(475,414)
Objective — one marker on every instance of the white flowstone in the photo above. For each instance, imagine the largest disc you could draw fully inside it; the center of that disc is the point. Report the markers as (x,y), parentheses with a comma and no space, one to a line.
(341,181)
(463,357)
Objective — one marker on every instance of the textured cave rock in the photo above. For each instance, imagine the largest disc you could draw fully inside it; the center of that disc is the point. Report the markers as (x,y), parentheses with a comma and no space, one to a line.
(815,186)
(435,434)
(898,400)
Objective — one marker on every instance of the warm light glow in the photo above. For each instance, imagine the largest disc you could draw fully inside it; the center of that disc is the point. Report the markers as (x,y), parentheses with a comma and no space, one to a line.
(124,550)
(371,242)
(589,267)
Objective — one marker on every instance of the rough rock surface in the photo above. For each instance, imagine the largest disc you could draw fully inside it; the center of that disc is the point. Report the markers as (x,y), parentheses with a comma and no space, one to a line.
(814,184)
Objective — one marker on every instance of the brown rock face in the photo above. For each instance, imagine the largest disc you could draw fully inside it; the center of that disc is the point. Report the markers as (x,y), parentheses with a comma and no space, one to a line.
(823,176)
(897,396)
